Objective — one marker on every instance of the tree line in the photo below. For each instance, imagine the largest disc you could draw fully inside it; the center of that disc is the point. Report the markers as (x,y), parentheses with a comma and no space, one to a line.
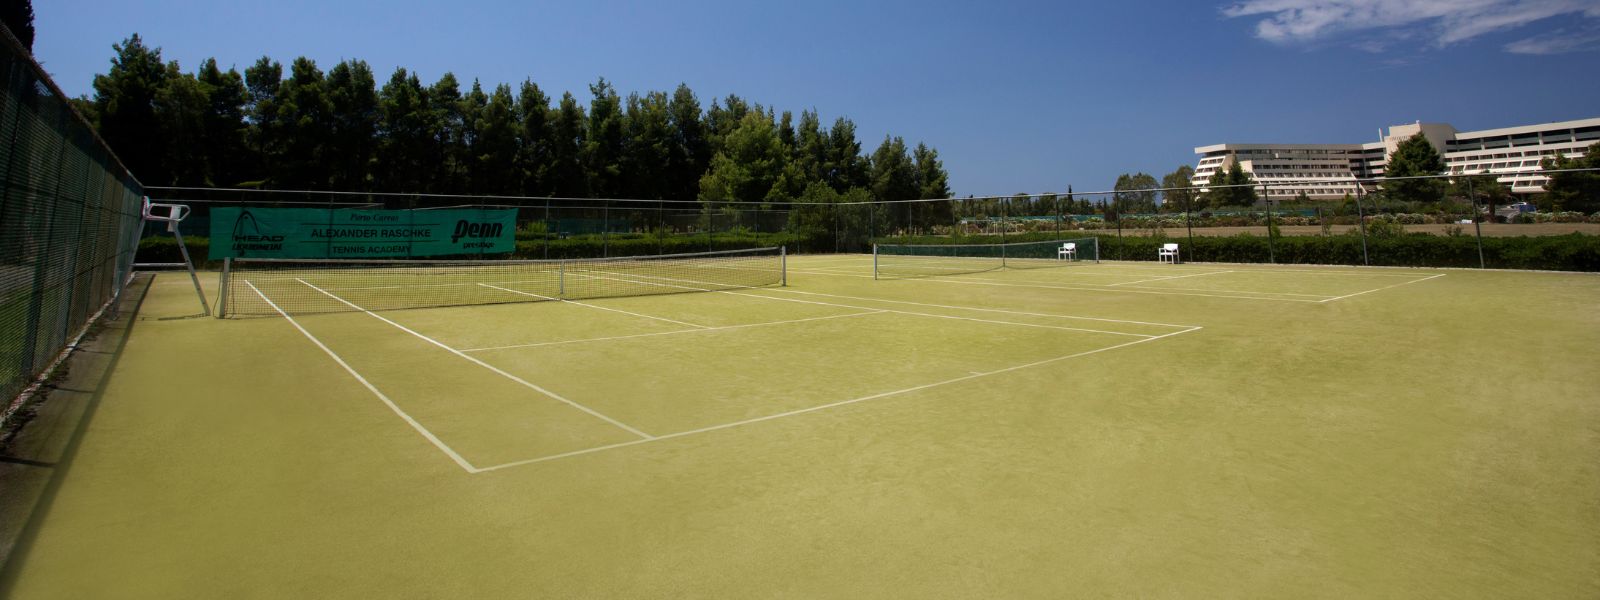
(339,130)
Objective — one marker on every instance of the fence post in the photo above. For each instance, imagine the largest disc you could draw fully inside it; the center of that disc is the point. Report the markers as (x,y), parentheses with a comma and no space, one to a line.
(1361,221)
(1272,251)
(1476,225)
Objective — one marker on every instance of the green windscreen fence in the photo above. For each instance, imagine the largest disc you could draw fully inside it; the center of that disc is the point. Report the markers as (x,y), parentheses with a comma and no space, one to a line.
(69,223)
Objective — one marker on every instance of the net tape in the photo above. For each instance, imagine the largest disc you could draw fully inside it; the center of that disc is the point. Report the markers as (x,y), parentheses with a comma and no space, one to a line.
(922,260)
(261,287)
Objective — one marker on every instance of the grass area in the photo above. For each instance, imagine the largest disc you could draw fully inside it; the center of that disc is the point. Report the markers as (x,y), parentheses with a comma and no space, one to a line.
(1117,429)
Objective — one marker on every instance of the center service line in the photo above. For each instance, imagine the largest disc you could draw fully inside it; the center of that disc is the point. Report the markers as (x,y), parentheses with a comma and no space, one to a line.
(462,462)
(524,382)
(829,405)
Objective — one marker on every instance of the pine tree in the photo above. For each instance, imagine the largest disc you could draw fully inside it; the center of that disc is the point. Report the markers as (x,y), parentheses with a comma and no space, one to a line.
(352,139)
(125,100)
(494,168)
(229,160)
(602,149)
(1415,156)
(691,153)
(566,177)
(650,145)
(535,139)
(18,17)
(264,135)
(1576,191)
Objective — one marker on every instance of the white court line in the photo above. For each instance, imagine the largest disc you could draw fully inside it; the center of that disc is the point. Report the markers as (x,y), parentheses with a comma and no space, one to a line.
(994,310)
(1384,288)
(524,382)
(903,312)
(802,411)
(1258,268)
(595,306)
(949,306)
(642,335)
(1146,287)
(1092,288)
(462,462)
(1088,287)
(1166,278)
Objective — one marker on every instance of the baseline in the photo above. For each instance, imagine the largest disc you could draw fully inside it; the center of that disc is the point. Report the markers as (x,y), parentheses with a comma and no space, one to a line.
(1384,288)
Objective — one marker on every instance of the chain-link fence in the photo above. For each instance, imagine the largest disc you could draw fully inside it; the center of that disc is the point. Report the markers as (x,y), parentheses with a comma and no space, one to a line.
(69,221)
(1451,225)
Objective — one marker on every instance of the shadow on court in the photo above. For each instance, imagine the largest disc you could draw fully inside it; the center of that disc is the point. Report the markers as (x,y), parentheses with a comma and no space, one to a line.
(36,460)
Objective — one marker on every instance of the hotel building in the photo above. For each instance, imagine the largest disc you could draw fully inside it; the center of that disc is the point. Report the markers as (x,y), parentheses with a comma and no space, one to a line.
(1326,171)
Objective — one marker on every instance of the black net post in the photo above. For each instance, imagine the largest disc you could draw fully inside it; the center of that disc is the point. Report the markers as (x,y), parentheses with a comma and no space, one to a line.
(1477,225)
(1266,198)
(1361,221)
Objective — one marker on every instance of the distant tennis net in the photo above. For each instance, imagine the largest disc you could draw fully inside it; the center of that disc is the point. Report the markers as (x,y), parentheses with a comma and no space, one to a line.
(922,260)
(256,287)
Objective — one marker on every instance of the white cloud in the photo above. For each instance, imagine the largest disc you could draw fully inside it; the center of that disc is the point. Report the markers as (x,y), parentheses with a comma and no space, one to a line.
(1558,42)
(1445,21)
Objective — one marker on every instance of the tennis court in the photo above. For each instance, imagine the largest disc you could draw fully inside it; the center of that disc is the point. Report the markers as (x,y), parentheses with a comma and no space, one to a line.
(1075,429)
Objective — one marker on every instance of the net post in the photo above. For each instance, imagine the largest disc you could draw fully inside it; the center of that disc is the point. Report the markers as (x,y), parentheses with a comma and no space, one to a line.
(783,266)
(1096,249)
(222,287)
(874,262)
(561,279)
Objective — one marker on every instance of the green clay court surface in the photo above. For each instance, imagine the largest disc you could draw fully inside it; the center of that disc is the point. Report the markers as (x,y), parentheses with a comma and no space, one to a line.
(1113,429)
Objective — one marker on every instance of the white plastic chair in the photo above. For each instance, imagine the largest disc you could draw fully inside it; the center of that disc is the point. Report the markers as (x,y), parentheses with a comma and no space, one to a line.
(1168,253)
(1068,251)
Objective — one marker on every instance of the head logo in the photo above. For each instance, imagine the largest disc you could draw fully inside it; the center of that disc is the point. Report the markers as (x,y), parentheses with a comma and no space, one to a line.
(247,236)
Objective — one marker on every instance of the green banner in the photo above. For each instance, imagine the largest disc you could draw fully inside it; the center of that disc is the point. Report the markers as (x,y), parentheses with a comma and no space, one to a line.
(358,233)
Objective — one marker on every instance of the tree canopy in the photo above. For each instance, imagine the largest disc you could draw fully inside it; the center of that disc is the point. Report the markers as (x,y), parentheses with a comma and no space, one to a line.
(301,127)
(1243,193)
(1576,191)
(1415,156)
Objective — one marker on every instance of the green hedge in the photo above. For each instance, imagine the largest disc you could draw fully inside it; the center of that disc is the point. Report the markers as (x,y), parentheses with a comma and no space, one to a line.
(1574,252)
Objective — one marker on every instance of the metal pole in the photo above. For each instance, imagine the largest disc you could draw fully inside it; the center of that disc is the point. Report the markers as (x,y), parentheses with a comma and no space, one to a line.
(1476,225)
(1266,198)
(1188,223)
(222,287)
(874,262)
(1361,220)
(605,229)
(1003,203)
(547,231)
(783,265)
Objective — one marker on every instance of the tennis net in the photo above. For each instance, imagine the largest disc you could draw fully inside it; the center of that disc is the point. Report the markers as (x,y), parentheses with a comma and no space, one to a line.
(257,287)
(921,260)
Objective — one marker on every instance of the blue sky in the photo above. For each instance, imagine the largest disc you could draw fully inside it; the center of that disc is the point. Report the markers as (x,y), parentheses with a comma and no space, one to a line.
(1016,96)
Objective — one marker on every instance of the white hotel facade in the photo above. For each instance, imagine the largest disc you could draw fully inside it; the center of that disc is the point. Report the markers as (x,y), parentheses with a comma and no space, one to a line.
(1328,171)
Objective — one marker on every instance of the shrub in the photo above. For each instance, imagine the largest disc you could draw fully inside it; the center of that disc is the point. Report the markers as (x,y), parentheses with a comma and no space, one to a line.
(1574,252)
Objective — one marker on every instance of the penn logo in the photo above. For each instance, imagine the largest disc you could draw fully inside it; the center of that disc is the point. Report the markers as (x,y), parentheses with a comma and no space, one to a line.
(470,230)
